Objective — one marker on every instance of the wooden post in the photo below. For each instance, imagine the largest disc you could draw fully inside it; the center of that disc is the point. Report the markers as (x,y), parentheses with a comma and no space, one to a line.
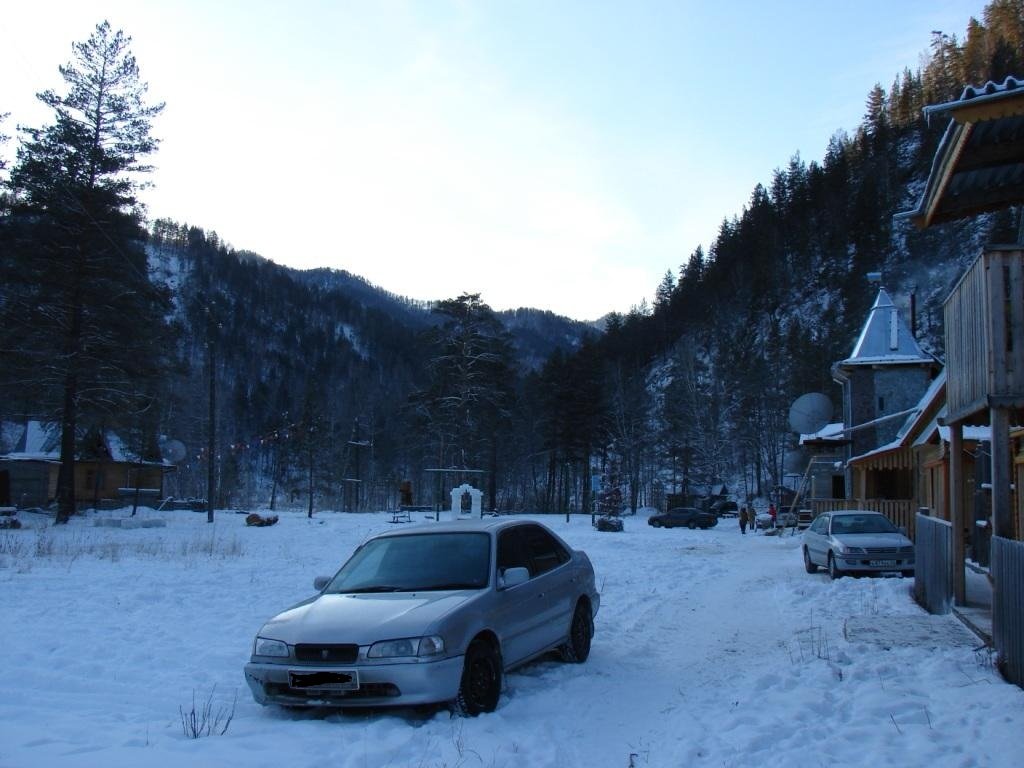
(1002,519)
(211,437)
(956,510)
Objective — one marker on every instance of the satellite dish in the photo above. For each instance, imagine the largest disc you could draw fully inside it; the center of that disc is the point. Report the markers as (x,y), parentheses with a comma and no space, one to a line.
(172,451)
(810,413)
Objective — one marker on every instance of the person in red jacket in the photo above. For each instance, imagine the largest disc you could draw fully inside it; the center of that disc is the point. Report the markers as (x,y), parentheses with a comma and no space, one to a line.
(773,513)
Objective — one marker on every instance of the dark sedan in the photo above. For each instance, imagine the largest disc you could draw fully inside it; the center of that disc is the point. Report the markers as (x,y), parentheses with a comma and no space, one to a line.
(688,517)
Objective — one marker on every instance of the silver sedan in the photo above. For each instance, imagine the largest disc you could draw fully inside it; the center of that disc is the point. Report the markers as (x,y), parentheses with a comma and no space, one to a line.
(433,613)
(849,541)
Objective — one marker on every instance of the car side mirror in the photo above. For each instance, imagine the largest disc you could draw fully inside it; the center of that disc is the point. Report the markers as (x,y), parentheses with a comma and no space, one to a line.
(513,577)
(903,530)
(320,582)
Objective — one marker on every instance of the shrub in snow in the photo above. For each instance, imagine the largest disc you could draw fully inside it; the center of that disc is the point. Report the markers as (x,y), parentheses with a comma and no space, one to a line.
(259,520)
(206,721)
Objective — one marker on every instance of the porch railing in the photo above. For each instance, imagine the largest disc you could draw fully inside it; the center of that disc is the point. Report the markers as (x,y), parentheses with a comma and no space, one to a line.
(1007,571)
(933,567)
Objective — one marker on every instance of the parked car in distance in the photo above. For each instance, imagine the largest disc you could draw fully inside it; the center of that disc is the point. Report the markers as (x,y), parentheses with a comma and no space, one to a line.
(787,517)
(856,541)
(725,508)
(688,517)
(427,614)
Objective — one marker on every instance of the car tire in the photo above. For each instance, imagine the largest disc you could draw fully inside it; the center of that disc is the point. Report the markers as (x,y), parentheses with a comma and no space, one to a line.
(691,525)
(581,631)
(480,686)
(833,570)
(808,565)
(656,523)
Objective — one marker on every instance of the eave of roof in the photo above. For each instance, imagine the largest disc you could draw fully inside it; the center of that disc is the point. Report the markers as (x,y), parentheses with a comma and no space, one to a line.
(979,164)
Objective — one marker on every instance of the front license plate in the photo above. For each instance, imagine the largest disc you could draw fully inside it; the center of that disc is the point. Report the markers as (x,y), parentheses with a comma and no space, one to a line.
(324,681)
(882,563)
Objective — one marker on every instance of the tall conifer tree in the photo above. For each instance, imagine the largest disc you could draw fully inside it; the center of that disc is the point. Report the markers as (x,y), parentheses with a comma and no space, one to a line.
(82,322)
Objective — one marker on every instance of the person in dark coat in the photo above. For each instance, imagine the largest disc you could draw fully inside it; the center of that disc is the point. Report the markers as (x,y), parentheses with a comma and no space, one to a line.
(743,520)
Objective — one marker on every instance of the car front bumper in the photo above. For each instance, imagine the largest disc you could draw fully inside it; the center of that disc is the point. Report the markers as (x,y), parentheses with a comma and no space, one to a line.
(400,684)
(862,564)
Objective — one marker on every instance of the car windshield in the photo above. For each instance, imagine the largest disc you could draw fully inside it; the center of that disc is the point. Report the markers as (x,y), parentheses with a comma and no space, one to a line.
(862,524)
(416,563)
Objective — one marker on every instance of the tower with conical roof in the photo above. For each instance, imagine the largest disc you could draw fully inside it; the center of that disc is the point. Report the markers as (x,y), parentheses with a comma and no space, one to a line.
(886,374)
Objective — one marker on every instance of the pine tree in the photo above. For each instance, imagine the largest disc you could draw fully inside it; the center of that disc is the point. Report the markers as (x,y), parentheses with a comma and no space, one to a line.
(471,385)
(82,323)
(875,114)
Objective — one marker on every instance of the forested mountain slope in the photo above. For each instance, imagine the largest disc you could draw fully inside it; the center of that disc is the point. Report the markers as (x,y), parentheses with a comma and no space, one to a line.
(300,357)
(698,387)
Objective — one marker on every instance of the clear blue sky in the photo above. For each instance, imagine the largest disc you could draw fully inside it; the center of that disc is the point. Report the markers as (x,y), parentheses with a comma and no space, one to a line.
(561,155)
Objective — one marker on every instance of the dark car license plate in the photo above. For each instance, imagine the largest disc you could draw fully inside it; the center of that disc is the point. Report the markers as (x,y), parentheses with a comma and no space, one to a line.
(882,563)
(324,681)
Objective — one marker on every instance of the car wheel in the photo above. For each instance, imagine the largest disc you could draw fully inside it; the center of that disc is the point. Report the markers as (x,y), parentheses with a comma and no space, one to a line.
(833,570)
(481,681)
(581,631)
(691,525)
(656,523)
(808,565)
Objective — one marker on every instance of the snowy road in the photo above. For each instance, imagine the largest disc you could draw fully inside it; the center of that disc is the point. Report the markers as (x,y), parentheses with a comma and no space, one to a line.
(712,648)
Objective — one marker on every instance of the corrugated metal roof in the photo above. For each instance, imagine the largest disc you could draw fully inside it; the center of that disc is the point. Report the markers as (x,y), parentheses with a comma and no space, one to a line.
(885,338)
(985,94)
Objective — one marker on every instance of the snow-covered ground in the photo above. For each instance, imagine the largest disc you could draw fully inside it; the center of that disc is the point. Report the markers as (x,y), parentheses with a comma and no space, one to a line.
(711,648)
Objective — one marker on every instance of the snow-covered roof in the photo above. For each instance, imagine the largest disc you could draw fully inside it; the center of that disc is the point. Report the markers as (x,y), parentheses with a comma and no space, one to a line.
(40,441)
(885,338)
(925,408)
(976,95)
(37,440)
(832,432)
(982,433)
(897,443)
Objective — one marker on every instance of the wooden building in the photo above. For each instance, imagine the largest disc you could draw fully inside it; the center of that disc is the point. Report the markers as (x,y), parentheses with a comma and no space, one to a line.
(979,167)
(104,468)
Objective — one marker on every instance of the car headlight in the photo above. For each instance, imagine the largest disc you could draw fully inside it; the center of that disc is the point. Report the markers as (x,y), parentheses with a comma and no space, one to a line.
(406,646)
(264,646)
(845,549)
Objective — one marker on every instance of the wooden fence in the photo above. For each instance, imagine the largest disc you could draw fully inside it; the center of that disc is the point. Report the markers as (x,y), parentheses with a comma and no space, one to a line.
(933,567)
(899,511)
(1008,606)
